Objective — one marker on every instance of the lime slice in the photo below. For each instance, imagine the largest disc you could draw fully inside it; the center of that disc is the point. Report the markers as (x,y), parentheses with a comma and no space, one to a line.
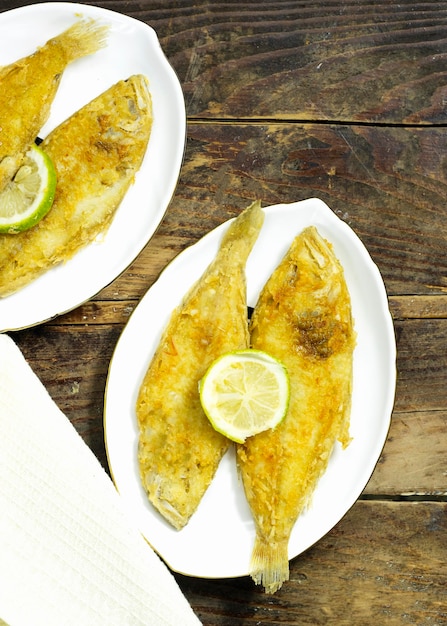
(244,393)
(30,194)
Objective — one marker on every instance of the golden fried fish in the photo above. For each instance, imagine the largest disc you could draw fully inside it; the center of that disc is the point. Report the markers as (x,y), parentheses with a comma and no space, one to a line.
(28,88)
(96,153)
(302,317)
(179,451)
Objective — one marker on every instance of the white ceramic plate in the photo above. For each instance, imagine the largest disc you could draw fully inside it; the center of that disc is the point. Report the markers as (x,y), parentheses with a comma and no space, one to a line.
(132,48)
(218,540)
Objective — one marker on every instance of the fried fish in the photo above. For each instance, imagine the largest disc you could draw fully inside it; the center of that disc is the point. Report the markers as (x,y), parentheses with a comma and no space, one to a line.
(28,88)
(179,451)
(303,317)
(96,153)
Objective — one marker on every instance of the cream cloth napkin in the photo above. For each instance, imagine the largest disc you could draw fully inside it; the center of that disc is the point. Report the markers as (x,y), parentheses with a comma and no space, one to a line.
(68,553)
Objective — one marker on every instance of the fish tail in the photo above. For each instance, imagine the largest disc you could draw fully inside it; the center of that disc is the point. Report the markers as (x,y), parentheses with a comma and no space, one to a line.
(243,231)
(269,564)
(81,39)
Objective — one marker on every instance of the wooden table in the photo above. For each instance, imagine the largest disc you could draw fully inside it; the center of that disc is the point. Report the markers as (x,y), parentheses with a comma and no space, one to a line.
(345,101)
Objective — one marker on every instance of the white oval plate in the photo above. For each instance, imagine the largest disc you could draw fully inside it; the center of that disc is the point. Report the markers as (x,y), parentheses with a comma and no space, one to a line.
(219,538)
(132,48)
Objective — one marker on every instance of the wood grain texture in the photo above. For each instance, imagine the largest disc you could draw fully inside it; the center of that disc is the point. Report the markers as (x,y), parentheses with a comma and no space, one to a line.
(414,454)
(339,61)
(388,185)
(418,307)
(421,365)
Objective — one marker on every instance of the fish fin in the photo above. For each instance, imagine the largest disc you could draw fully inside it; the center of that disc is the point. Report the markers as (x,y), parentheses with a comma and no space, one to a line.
(82,38)
(344,436)
(269,564)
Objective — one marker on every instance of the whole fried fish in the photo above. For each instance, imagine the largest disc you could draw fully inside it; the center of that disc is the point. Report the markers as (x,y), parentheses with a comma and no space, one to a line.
(96,154)
(28,87)
(303,318)
(179,451)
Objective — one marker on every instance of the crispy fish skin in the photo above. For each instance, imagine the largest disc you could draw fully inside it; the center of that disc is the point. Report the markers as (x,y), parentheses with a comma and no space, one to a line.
(179,451)
(96,153)
(28,88)
(303,317)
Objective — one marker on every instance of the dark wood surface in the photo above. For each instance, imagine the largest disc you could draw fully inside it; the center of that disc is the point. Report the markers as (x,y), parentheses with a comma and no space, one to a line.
(345,101)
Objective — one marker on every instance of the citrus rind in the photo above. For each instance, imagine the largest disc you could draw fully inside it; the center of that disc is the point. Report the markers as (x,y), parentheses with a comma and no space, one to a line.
(30,195)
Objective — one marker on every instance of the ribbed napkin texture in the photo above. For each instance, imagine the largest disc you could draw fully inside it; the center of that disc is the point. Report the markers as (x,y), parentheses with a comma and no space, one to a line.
(69,554)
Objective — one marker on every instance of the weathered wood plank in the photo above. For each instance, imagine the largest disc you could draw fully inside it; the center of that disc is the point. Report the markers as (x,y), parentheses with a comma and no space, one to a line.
(373,568)
(417,307)
(356,63)
(414,454)
(421,365)
(344,61)
(313,60)
(73,363)
(389,185)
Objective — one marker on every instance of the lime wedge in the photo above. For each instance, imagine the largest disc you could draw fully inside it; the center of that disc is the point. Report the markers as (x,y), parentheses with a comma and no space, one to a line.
(244,393)
(29,195)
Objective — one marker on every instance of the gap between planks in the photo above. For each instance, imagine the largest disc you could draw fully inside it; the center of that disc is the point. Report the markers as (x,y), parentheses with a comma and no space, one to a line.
(119,311)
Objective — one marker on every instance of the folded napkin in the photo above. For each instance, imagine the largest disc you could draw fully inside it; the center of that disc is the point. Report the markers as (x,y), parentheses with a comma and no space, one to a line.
(69,555)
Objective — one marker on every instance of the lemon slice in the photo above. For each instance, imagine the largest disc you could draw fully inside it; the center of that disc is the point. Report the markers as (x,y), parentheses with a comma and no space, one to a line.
(244,393)
(30,194)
